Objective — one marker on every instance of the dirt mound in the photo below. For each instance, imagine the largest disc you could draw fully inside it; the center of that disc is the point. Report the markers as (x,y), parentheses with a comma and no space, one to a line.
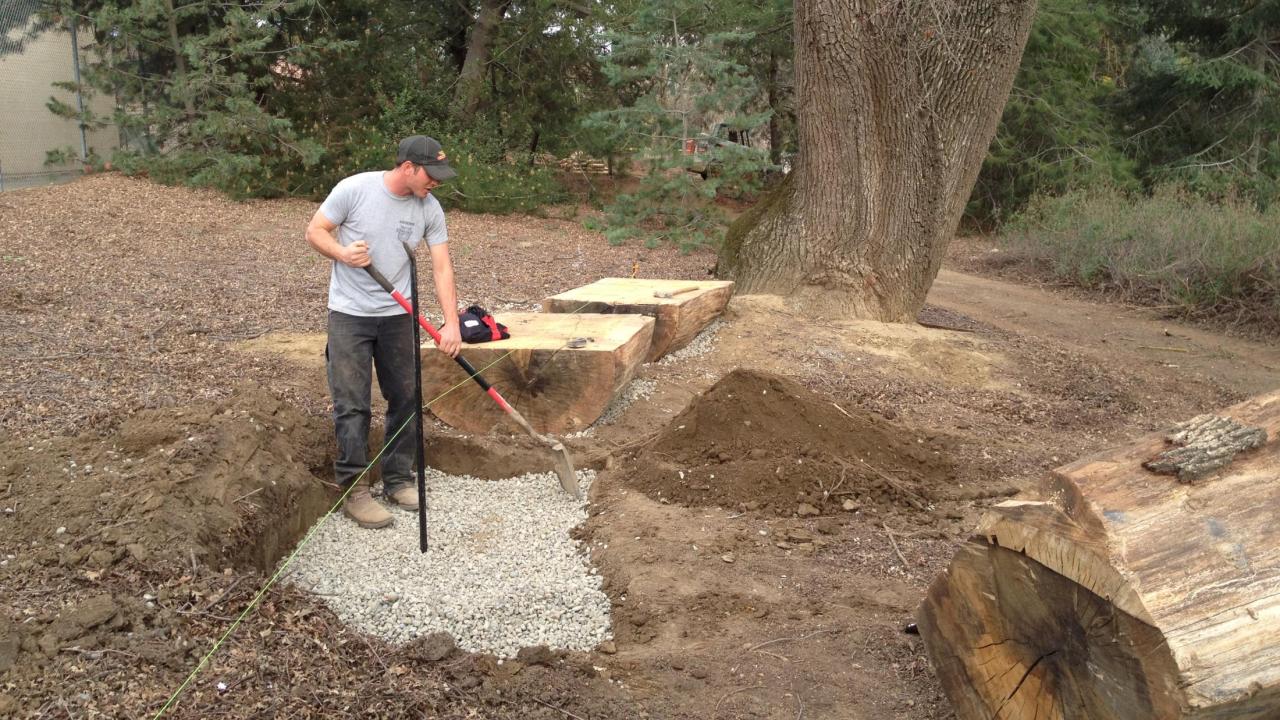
(168,483)
(756,440)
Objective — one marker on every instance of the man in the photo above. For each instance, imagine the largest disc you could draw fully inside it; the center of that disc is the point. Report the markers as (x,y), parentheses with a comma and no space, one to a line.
(369,218)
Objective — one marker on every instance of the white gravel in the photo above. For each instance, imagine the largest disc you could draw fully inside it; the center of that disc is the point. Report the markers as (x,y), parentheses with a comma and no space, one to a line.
(501,572)
(636,390)
(700,345)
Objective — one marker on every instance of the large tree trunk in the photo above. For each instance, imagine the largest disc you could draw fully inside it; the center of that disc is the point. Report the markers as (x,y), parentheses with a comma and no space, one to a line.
(480,46)
(898,101)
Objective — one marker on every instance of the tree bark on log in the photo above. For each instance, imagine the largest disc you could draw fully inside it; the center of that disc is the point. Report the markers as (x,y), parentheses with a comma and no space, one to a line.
(1115,593)
(899,102)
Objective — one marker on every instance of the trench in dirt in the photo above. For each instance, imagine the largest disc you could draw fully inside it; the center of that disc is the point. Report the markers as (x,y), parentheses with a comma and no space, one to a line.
(280,525)
(753,441)
(285,524)
(236,482)
(281,529)
(242,480)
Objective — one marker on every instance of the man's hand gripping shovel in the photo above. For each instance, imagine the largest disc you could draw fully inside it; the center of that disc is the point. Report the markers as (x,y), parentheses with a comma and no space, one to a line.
(564,465)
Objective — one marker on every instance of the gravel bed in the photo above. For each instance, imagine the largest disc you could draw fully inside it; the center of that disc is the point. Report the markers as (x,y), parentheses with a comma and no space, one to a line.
(501,573)
(700,345)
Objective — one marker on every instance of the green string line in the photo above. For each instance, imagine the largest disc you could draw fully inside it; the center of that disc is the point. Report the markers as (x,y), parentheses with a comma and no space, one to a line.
(284,566)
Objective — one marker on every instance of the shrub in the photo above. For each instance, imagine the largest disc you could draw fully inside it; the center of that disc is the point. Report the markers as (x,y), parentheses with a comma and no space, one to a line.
(1174,249)
(486,184)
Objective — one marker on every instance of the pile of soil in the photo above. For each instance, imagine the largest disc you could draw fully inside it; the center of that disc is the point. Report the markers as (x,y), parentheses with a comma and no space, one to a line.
(760,441)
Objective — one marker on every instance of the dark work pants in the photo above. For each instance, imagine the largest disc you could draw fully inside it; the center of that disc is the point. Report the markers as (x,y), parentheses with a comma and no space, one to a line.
(355,344)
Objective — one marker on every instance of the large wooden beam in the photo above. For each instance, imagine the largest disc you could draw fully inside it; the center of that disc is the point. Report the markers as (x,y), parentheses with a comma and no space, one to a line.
(679,317)
(557,386)
(1114,593)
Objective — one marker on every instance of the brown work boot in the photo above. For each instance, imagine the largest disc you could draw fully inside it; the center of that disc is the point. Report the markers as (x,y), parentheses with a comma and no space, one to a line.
(405,497)
(361,507)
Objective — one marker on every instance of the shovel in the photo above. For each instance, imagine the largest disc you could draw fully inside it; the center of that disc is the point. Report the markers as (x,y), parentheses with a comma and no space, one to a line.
(564,466)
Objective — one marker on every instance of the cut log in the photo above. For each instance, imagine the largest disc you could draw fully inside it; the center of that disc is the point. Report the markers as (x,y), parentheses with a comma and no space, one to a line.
(558,388)
(679,318)
(1115,593)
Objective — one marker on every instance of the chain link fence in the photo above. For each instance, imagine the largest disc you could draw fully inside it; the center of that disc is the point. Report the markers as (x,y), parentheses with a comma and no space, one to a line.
(32,58)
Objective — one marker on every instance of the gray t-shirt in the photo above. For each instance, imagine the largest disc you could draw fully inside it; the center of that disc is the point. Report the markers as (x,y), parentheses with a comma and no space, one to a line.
(364,209)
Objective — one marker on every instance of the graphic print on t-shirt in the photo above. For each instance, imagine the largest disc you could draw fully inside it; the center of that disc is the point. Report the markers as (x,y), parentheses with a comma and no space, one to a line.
(404,231)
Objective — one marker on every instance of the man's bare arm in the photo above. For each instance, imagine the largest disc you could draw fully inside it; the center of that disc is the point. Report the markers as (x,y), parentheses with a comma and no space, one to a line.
(320,236)
(447,294)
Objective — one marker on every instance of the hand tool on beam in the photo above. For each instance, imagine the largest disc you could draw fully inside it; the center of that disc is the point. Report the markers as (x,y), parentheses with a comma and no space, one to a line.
(672,293)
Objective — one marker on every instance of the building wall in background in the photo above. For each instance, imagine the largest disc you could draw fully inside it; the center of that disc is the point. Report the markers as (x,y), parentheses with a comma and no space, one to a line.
(27,129)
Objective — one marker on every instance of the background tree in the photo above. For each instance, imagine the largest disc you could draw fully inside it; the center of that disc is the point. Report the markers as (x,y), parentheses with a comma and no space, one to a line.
(198,77)
(1059,129)
(544,76)
(768,59)
(1204,98)
(283,98)
(1134,94)
(680,70)
(897,103)
(475,67)
(19,20)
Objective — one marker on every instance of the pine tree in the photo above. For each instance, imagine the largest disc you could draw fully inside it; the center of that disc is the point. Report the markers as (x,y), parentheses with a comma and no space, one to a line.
(1205,96)
(1059,129)
(676,70)
(195,80)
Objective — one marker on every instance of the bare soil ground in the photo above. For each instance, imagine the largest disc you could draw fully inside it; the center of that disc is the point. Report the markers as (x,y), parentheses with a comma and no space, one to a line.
(167,440)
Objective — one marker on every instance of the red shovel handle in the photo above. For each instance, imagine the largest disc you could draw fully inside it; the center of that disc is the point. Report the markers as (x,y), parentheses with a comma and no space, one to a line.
(564,467)
(435,335)
(404,302)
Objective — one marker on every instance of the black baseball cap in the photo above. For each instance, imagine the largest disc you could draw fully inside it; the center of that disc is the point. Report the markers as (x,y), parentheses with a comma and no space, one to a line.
(425,151)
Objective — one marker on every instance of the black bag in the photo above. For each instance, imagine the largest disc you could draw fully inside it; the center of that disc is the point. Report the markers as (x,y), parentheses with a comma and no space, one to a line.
(478,326)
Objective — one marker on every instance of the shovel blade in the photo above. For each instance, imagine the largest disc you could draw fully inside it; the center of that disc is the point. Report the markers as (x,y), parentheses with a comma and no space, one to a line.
(564,469)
